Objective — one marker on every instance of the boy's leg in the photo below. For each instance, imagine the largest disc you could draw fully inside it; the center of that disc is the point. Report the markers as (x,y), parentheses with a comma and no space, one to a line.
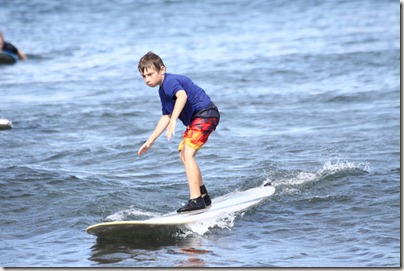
(196,201)
(194,138)
(192,170)
(192,187)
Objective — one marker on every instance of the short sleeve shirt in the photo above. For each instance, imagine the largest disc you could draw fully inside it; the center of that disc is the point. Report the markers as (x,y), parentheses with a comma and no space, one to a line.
(197,98)
(9,47)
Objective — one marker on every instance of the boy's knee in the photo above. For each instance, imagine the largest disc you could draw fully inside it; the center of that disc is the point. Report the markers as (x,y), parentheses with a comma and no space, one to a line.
(187,155)
(182,157)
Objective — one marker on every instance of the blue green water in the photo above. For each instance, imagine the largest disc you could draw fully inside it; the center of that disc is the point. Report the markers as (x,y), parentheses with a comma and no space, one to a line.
(309,96)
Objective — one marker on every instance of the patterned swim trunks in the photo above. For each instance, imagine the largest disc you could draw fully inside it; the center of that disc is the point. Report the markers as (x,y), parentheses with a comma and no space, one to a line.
(197,132)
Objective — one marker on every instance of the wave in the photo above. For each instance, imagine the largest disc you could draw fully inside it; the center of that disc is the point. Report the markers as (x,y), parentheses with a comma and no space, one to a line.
(344,167)
(296,181)
(131,214)
(291,183)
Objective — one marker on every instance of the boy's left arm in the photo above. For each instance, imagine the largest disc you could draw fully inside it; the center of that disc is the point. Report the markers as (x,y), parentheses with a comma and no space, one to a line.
(179,105)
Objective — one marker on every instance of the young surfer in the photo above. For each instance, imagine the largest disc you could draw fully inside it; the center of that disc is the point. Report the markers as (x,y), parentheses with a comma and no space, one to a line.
(181,99)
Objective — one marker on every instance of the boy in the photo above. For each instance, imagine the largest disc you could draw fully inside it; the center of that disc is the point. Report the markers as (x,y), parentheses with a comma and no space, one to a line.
(181,98)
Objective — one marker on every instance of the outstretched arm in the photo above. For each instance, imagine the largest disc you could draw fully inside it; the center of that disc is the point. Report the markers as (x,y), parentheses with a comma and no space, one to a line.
(179,105)
(21,55)
(161,126)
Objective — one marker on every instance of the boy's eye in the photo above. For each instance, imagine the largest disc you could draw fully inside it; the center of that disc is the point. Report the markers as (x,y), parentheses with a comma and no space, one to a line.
(145,75)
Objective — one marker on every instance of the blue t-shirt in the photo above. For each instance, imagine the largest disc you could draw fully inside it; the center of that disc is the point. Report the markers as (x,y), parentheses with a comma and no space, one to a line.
(197,97)
(9,47)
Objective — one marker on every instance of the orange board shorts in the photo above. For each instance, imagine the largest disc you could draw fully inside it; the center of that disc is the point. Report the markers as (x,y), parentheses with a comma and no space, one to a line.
(197,132)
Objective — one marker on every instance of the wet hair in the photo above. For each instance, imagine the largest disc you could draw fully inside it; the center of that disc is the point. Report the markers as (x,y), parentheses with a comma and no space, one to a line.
(150,60)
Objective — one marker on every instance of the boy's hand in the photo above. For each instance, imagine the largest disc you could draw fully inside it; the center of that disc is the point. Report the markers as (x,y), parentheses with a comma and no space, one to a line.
(145,147)
(170,129)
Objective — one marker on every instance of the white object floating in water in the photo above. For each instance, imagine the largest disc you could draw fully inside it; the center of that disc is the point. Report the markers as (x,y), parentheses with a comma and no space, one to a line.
(5,124)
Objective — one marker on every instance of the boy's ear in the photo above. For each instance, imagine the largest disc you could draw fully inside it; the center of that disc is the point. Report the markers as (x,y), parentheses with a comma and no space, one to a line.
(163,69)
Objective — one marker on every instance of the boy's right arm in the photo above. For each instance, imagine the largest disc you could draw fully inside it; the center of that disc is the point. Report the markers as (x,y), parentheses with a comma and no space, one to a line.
(21,55)
(160,127)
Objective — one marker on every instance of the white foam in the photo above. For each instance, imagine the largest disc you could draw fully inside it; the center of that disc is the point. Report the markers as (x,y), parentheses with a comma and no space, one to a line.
(304,177)
(124,214)
(338,166)
(224,221)
(291,185)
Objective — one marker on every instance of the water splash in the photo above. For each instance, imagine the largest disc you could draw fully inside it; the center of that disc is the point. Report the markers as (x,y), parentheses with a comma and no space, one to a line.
(131,214)
(339,166)
(291,183)
(224,221)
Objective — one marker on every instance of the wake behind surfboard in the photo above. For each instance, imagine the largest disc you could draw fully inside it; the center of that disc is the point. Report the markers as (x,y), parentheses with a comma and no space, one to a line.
(174,222)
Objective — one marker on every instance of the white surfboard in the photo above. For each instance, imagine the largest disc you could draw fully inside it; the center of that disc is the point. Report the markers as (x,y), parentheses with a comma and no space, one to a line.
(5,124)
(227,204)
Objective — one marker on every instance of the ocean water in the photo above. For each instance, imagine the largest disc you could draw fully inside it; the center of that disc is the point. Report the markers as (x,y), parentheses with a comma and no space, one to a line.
(309,95)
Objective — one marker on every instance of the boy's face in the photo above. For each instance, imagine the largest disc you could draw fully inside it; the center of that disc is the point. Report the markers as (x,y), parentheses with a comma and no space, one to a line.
(153,77)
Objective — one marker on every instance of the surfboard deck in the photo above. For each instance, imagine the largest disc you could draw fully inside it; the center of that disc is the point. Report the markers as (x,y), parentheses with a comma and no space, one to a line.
(173,222)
